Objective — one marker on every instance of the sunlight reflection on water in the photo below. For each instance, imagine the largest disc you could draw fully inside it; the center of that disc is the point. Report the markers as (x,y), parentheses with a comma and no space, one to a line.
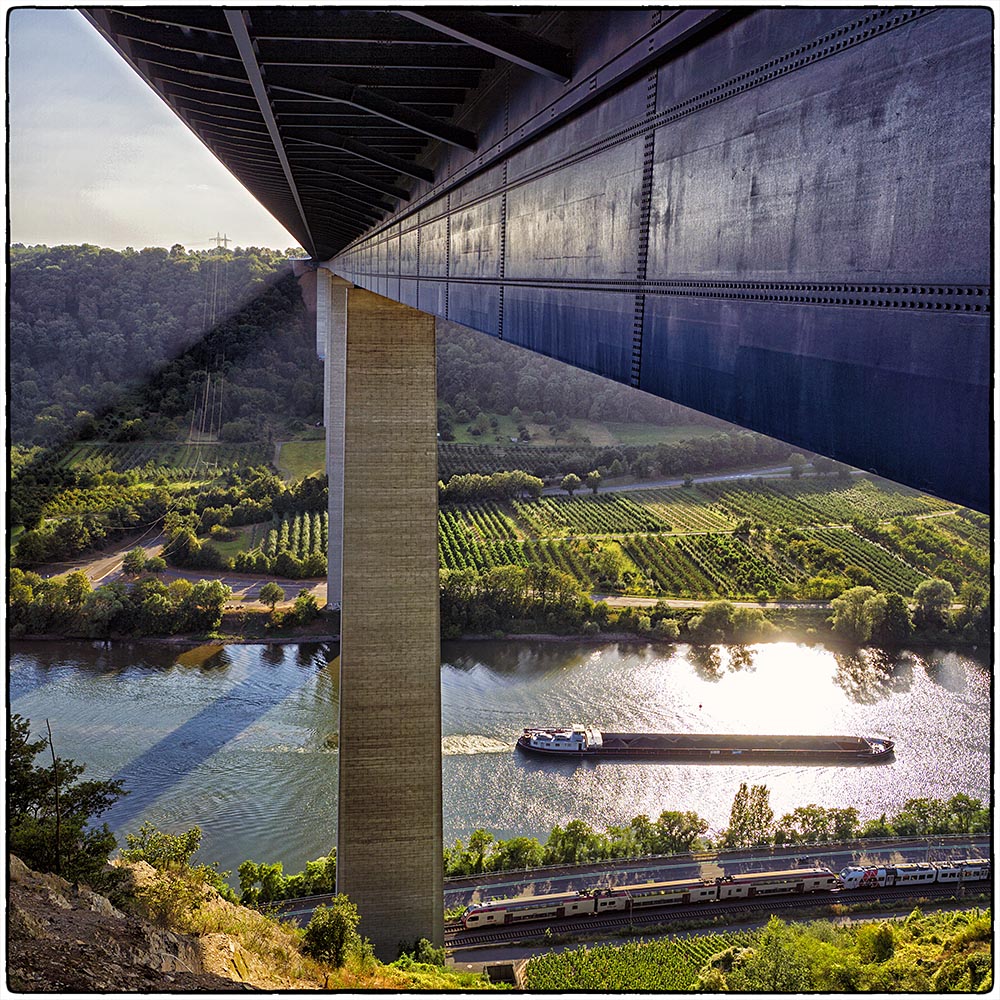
(266,788)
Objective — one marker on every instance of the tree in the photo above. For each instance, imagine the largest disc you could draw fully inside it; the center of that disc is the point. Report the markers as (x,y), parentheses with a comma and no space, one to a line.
(479,846)
(676,832)
(921,816)
(966,815)
(798,464)
(816,823)
(896,627)
(751,819)
(332,933)
(857,613)
(593,479)
(518,852)
(714,622)
(667,628)
(933,599)
(134,561)
(51,815)
(271,593)
(77,587)
(571,482)
(305,608)
(202,607)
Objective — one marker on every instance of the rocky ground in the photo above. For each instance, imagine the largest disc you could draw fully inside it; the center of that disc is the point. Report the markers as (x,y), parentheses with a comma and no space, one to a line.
(64,938)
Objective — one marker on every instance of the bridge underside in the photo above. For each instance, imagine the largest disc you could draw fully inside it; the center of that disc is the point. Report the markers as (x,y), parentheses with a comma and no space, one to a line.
(779,216)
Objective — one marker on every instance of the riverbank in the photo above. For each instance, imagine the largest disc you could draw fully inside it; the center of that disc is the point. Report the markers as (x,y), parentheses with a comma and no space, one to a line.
(806,625)
(324,634)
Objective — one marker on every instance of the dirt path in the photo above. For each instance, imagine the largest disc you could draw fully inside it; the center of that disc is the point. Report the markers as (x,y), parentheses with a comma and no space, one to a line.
(615,601)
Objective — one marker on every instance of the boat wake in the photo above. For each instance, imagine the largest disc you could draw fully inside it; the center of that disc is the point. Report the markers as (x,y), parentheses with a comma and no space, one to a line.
(464,745)
(469,744)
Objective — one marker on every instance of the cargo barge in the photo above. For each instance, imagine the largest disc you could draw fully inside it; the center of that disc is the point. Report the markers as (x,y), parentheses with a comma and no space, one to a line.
(586,742)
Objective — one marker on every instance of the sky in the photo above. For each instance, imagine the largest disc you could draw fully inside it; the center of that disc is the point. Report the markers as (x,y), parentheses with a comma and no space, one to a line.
(96,157)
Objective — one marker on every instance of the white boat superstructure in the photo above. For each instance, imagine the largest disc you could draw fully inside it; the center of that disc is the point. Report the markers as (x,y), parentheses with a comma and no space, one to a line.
(576,737)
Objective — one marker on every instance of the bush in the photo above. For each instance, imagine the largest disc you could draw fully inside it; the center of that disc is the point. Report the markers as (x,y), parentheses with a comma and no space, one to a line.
(171,854)
(305,609)
(423,952)
(331,935)
(667,628)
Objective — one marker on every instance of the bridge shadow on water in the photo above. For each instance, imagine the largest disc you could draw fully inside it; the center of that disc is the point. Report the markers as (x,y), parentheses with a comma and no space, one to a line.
(167,763)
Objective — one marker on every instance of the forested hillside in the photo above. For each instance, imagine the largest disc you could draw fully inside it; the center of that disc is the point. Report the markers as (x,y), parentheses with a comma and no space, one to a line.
(88,324)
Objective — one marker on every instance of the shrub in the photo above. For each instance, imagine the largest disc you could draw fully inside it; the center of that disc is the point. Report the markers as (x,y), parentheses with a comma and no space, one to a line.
(331,935)
(171,854)
(667,628)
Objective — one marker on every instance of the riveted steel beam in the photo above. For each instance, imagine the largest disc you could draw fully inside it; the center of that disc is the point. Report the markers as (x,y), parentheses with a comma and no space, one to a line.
(368,100)
(236,19)
(335,140)
(500,39)
(335,55)
(362,180)
(201,19)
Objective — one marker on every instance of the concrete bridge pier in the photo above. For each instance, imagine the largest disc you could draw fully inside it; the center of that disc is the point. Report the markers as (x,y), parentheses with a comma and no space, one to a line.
(381,394)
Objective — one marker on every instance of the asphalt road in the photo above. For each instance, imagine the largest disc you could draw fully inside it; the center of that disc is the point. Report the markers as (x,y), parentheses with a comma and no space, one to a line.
(106,567)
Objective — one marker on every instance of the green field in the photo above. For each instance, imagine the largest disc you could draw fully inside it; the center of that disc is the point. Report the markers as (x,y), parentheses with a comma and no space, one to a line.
(170,458)
(600,435)
(948,951)
(298,459)
(746,540)
(671,965)
(655,434)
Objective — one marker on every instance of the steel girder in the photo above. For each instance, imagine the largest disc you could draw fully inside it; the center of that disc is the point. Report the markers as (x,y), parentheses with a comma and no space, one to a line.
(778,216)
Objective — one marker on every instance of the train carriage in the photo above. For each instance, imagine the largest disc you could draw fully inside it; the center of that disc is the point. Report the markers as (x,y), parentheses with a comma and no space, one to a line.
(524,908)
(972,869)
(667,893)
(918,873)
(749,884)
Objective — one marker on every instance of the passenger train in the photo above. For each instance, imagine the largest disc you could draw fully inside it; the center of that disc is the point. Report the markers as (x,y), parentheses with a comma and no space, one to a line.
(587,902)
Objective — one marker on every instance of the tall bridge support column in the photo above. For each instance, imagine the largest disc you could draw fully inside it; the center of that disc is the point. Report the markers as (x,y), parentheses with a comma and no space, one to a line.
(331,326)
(389,829)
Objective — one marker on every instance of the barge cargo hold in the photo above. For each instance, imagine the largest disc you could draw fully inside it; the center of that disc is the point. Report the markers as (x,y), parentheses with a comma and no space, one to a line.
(585,742)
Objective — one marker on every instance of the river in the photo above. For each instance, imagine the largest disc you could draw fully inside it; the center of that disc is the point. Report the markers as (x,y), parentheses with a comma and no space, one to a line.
(241,740)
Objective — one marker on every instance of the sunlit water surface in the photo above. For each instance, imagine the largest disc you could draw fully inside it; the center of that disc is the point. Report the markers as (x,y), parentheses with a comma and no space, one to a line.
(242,740)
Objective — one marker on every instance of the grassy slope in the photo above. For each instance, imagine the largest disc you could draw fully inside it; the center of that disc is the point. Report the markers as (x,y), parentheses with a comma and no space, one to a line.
(298,459)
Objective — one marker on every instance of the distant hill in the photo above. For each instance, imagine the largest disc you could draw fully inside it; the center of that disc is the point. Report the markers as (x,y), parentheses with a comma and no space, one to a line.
(90,328)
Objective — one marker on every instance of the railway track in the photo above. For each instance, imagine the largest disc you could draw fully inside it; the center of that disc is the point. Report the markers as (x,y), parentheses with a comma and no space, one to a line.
(456,937)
